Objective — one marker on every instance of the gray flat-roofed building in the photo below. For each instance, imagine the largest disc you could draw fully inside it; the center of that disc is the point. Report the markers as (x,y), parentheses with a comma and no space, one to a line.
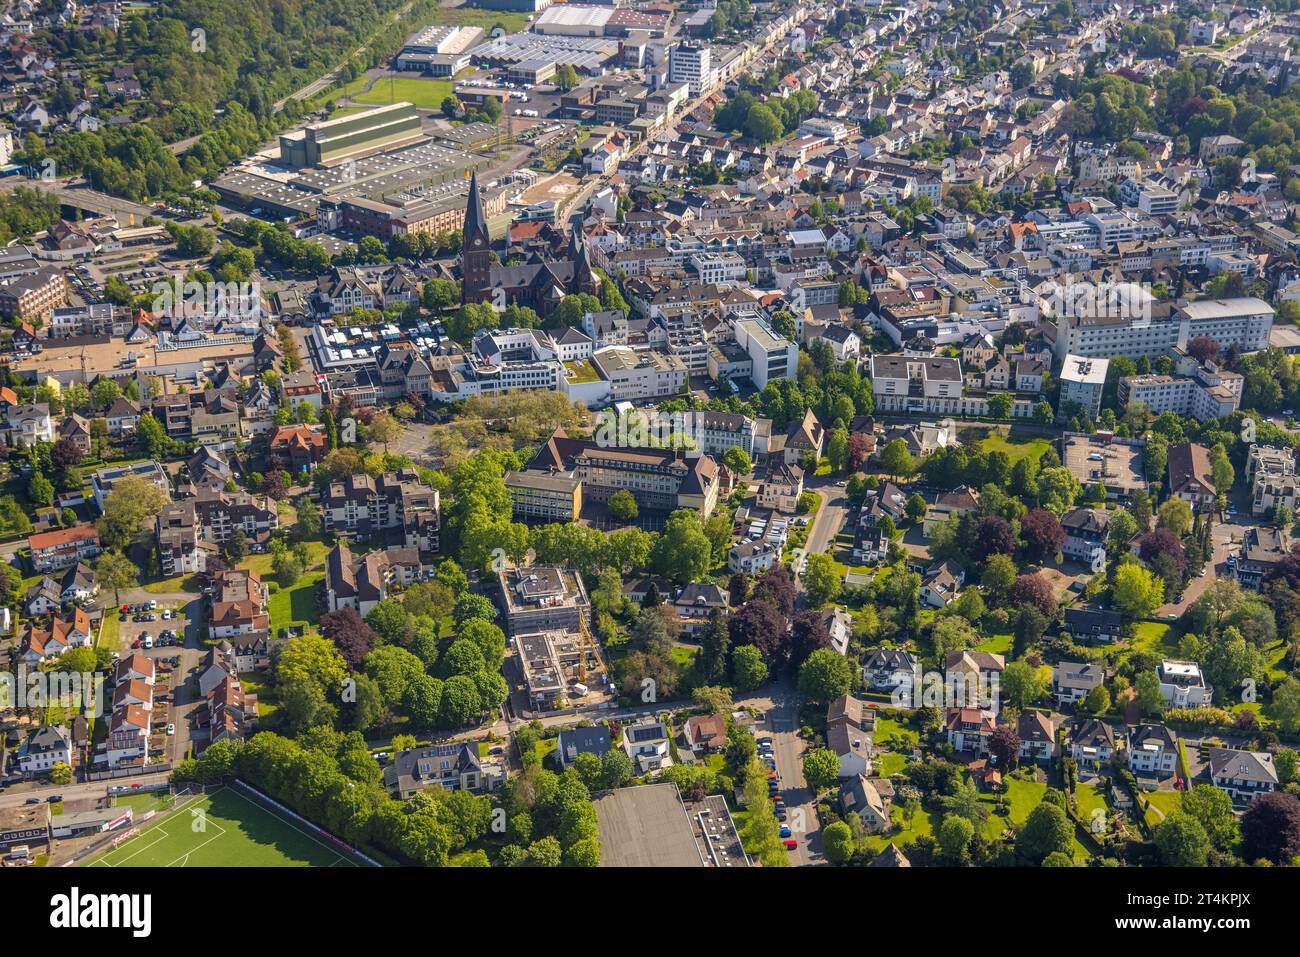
(646,827)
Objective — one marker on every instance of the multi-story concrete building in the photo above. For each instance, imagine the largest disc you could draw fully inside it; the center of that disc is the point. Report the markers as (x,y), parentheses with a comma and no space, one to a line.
(1083,380)
(660,479)
(396,506)
(544,498)
(191,531)
(774,357)
(542,599)
(1139,329)
(1272,476)
(1183,685)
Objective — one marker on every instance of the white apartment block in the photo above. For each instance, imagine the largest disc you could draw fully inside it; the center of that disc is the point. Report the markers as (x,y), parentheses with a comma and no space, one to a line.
(774,357)
(1082,382)
(1246,321)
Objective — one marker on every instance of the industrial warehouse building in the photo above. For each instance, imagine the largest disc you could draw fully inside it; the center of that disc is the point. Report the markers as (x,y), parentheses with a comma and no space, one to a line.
(333,140)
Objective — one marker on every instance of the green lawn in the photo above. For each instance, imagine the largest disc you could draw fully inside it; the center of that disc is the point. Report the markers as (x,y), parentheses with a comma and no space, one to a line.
(230,830)
(1152,637)
(257,683)
(1016,449)
(297,605)
(581,370)
(998,644)
(424,92)
(887,729)
(1089,797)
(110,635)
(886,763)
(316,552)
(921,826)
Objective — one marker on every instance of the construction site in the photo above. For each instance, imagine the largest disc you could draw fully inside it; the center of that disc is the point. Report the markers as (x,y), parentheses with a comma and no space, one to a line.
(547,617)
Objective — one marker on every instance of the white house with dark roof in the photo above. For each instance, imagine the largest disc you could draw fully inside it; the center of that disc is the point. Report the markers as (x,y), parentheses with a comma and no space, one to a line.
(890,669)
(1037,736)
(1152,749)
(1242,775)
(1072,680)
(1092,742)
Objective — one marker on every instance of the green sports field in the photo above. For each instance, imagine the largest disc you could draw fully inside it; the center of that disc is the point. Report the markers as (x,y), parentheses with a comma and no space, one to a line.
(222,829)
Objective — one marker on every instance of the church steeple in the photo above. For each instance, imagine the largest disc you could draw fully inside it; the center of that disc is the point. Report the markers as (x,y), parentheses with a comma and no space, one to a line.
(475,217)
(584,277)
(476,254)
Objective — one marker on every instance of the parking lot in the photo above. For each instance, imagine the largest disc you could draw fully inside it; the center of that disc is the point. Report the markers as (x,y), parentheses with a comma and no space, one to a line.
(165,638)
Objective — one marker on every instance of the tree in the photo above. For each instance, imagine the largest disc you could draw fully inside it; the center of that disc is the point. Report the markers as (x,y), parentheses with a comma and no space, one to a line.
(999,575)
(1182,841)
(1004,744)
(821,769)
(1136,591)
(737,459)
(384,428)
(1176,515)
(132,503)
(566,77)
(40,491)
(897,460)
(825,675)
(837,840)
(623,506)
(683,551)
(1058,489)
(1047,830)
(1042,533)
(821,580)
(762,125)
(1150,698)
(1034,590)
(1286,705)
(1212,809)
(1022,684)
(993,536)
(1098,700)
(953,838)
(748,668)
(1270,828)
(916,508)
(1000,405)
(114,570)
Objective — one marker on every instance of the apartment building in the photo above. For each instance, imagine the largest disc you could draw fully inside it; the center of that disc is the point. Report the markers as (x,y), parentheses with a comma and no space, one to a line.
(191,531)
(1242,775)
(239,604)
(396,506)
(363,582)
(773,356)
(1272,476)
(64,547)
(1152,750)
(542,599)
(1083,380)
(32,297)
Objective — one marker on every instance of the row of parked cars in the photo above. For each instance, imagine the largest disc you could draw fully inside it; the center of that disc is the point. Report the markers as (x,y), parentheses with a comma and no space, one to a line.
(768,756)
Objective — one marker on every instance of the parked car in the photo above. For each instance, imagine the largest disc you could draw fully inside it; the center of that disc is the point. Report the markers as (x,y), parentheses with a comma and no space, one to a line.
(171,729)
(791,844)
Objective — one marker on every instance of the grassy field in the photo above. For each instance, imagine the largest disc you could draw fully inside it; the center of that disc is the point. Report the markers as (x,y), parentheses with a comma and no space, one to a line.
(424,92)
(235,832)
(1016,449)
(296,605)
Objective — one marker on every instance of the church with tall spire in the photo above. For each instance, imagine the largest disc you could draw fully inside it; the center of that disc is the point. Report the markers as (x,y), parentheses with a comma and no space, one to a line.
(538,284)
